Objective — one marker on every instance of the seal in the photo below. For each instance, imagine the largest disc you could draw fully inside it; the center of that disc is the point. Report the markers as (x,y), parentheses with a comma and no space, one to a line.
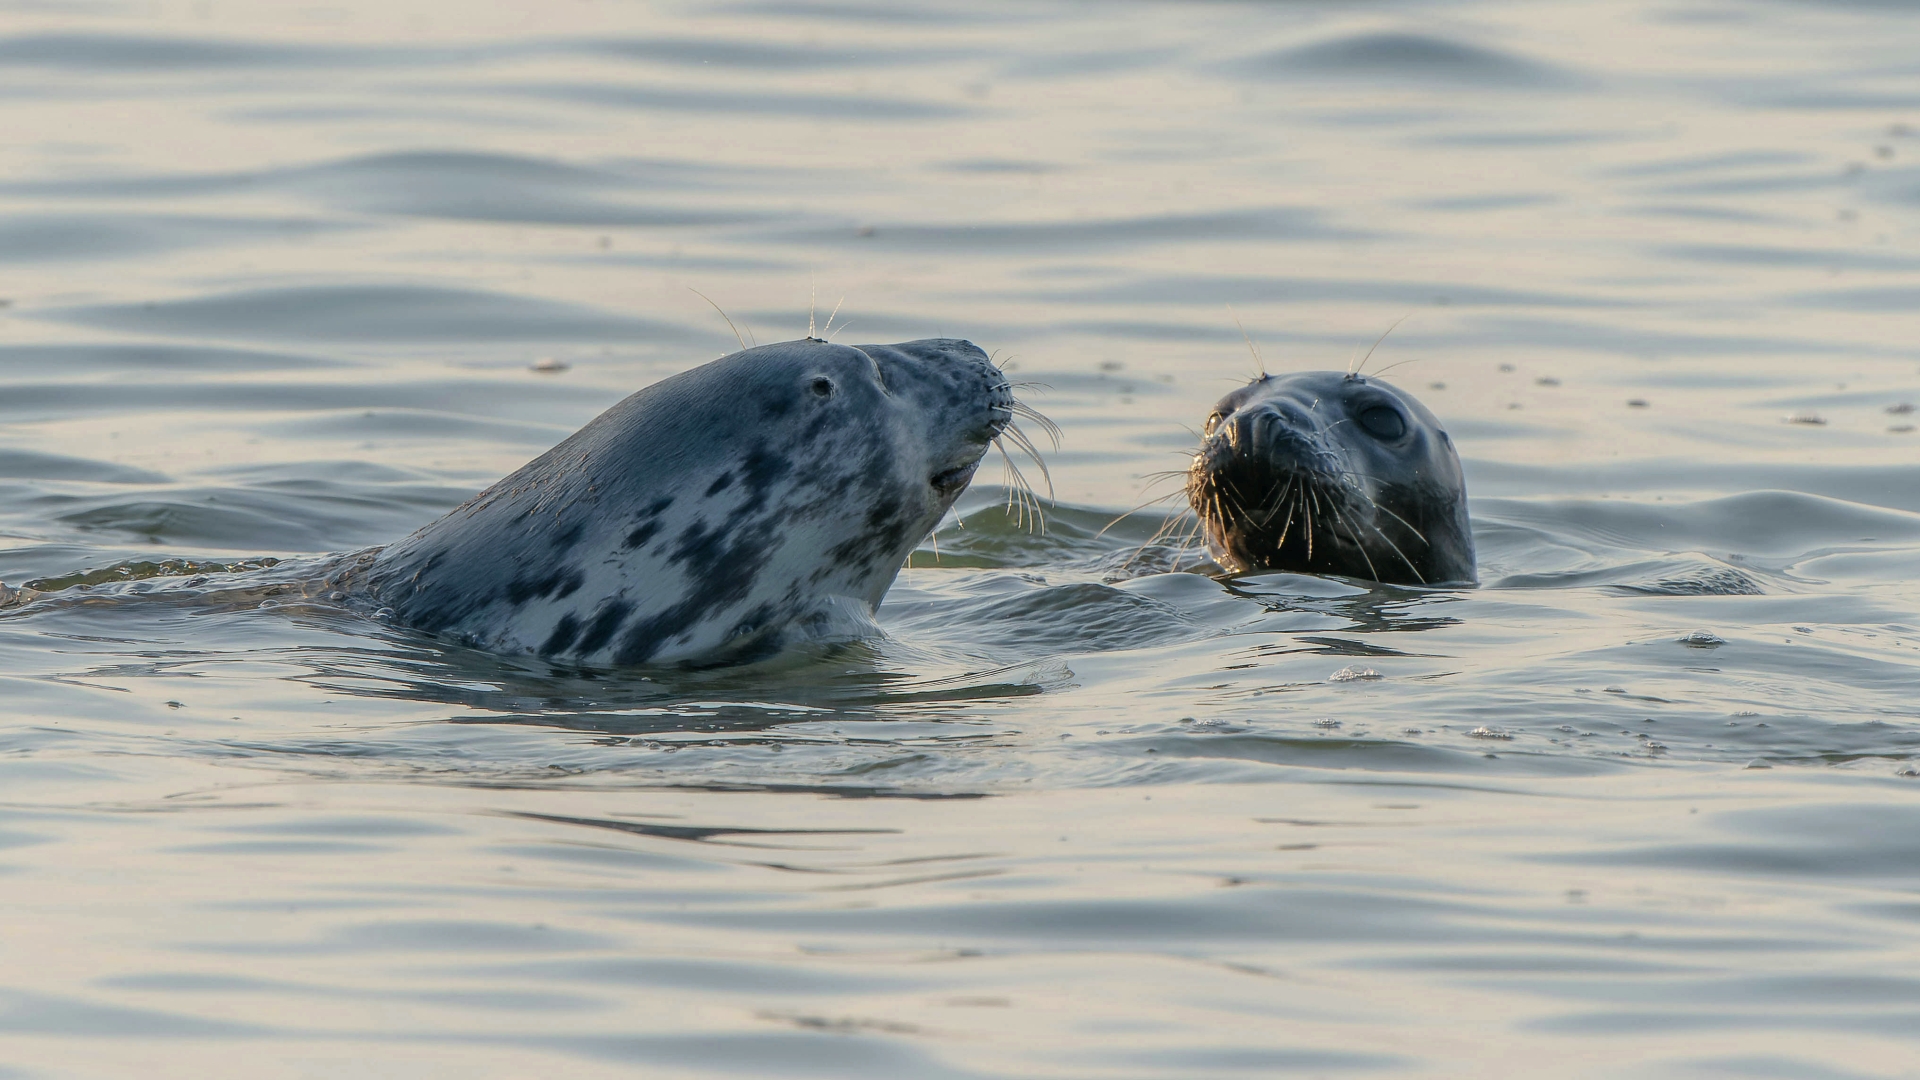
(1325,472)
(717,516)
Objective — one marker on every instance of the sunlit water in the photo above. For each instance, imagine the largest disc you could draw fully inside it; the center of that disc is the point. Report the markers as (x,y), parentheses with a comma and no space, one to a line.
(275,284)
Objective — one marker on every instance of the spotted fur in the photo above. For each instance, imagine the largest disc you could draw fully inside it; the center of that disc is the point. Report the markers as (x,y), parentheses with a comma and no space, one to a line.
(720,514)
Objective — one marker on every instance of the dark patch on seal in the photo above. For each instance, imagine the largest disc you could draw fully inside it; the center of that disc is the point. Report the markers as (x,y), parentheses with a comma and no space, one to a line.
(567,629)
(722,565)
(566,538)
(560,584)
(647,523)
(886,524)
(723,483)
(600,630)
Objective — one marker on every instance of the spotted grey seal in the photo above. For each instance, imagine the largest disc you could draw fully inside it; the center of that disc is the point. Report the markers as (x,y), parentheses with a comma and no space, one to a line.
(718,515)
(1326,472)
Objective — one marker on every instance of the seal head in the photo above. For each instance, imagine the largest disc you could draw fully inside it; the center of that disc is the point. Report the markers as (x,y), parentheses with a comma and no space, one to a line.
(1324,472)
(767,497)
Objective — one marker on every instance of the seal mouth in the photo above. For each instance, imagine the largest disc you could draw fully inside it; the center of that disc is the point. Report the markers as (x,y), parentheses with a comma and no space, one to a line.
(951,483)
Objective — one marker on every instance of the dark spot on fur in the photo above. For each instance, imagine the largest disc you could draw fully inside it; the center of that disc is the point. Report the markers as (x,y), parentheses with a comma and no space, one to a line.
(569,536)
(562,637)
(647,522)
(558,585)
(601,629)
(720,485)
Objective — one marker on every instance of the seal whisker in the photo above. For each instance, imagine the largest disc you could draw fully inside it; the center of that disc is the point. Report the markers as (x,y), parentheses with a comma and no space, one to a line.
(1387,510)
(1019,439)
(1021,501)
(1047,426)
(1376,344)
(723,315)
(1282,495)
(1288,527)
(1135,510)
(1259,363)
(828,329)
(1388,540)
(1399,363)
(1313,501)
(1340,518)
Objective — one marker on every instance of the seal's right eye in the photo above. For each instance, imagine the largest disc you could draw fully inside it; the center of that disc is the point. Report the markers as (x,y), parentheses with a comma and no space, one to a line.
(1213,421)
(823,386)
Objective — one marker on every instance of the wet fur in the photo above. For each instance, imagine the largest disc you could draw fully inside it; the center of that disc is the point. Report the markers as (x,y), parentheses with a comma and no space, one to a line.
(1287,477)
(719,515)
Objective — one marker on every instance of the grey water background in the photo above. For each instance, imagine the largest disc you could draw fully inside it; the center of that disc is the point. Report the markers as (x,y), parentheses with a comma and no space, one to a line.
(274,282)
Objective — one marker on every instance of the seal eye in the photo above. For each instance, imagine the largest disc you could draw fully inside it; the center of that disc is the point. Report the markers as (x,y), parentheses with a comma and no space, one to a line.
(1383,423)
(1213,421)
(823,386)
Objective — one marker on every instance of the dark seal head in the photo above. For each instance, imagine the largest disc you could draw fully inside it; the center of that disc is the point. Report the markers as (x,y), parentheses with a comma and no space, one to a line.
(718,515)
(1323,472)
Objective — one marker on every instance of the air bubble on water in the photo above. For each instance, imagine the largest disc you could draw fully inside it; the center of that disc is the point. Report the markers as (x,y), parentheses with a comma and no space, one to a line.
(1410,731)
(1328,724)
(1703,639)
(1485,732)
(1354,674)
(1655,746)
(1568,728)
(1907,770)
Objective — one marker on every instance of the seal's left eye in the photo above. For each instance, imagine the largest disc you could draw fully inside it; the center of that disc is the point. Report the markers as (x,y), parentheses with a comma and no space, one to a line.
(1383,423)
(823,387)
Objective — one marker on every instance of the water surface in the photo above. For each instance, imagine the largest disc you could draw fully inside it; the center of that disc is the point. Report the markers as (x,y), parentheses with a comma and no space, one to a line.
(278,282)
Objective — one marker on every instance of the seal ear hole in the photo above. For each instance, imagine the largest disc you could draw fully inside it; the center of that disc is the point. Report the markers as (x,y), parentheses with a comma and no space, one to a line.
(822,386)
(1383,423)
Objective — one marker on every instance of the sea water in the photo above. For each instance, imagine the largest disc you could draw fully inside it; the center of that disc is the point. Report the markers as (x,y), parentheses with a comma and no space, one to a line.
(278,281)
